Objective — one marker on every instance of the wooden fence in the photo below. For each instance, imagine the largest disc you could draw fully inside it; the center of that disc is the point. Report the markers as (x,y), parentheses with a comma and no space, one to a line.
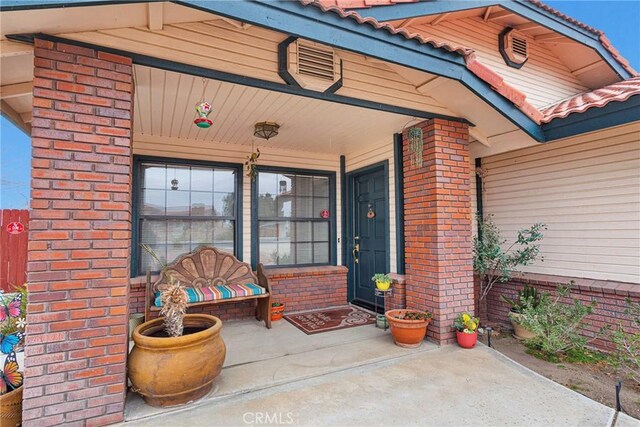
(14,239)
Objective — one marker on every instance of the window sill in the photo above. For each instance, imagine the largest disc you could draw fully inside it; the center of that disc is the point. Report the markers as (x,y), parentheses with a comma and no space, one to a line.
(305,271)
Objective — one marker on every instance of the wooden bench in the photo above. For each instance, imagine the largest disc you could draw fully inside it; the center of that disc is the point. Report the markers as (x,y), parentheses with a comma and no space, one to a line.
(208,267)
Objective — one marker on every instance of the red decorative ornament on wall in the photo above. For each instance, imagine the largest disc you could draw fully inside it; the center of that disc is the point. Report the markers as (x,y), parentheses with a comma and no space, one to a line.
(324,214)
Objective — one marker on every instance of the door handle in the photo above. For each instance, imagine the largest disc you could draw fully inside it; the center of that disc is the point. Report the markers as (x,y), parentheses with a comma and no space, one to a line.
(356,253)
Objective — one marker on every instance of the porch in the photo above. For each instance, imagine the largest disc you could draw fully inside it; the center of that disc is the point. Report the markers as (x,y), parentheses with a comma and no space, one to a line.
(357,376)
(260,359)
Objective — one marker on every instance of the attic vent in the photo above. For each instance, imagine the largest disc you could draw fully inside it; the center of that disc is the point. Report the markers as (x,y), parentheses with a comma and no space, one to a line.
(513,47)
(315,61)
(311,65)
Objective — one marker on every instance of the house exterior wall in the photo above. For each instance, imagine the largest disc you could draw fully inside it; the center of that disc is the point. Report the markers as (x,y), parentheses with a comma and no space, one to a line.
(586,190)
(253,52)
(544,78)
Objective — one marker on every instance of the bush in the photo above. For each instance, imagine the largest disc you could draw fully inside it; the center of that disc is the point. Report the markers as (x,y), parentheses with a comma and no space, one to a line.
(495,264)
(626,357)
(556,324)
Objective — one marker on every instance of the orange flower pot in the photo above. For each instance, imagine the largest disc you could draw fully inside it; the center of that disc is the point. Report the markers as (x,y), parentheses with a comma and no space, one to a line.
(277,312)
(406,333)
(467,340)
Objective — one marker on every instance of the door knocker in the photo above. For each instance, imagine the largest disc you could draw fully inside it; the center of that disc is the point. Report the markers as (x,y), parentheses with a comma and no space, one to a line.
(371,214)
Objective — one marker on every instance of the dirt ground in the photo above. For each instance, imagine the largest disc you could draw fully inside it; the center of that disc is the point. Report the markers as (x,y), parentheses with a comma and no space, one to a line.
(596,381)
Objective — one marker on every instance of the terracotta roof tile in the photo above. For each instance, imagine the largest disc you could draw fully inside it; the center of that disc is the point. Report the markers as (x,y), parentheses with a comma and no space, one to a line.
(616,92)
(352,4)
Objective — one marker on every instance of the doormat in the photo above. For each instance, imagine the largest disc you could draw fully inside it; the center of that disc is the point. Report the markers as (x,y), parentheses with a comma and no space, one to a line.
(317,321)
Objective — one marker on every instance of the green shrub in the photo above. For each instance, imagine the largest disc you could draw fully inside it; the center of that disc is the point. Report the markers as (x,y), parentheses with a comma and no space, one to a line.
(556,324)
(626,357)
(527,296)
(493,262)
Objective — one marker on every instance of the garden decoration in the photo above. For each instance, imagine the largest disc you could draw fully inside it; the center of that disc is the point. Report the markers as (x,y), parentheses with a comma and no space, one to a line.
(383,281)
(466,330)
(252,163)
(408,327)
(203,109)
(416,145)
(277,311)
(12,327)
(176,357)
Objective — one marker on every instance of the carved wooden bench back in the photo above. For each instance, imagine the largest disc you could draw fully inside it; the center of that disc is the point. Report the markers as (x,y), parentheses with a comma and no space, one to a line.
(204,267)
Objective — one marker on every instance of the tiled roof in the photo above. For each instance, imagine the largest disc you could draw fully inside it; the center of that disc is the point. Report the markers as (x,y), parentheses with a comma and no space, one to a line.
(353,4)
(598,98)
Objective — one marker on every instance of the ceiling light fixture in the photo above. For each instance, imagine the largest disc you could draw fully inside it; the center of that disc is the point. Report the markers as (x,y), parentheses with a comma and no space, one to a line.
(266,130)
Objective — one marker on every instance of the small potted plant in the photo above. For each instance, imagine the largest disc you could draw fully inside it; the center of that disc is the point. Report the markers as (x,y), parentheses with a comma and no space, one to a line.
(528,297)
(383,281)
(408,327)
(12,325)
(277,311)
(466,330)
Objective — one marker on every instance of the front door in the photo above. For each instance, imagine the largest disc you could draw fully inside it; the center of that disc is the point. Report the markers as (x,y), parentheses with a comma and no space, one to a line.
(369,231)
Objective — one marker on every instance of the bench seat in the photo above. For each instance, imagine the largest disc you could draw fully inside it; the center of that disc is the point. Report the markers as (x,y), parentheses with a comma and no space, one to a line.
(211,276)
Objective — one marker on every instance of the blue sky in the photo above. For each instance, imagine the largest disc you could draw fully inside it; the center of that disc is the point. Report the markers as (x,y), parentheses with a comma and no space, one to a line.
(620,20)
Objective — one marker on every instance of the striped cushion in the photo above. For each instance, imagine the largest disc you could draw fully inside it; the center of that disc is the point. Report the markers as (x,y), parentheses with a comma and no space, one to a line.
(220,292)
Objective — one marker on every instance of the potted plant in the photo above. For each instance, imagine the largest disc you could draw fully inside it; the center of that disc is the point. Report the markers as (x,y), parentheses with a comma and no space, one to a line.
(277,311)
(12,325)
(528,297)
(383,281)
(408,327)
(175,358)
(466,330)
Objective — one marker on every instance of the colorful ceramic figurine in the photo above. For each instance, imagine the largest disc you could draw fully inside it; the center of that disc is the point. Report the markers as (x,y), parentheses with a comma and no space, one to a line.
(203,109)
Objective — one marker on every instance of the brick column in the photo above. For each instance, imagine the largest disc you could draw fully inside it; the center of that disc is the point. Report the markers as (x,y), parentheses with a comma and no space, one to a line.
(438,252)
(79,238)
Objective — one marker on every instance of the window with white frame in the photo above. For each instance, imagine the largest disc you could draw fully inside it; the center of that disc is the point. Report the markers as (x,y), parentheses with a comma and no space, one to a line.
(294,221)
(181,206)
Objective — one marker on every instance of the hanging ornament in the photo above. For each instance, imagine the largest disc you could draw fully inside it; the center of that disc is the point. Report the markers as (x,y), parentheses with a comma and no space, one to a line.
(416,145)
(252,163)
(371,214)
(203,109)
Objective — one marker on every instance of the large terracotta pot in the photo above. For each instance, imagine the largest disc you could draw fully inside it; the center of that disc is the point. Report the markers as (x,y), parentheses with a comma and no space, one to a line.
(406,333)
(520,332)
(170,371)
(11,408)
(467,340)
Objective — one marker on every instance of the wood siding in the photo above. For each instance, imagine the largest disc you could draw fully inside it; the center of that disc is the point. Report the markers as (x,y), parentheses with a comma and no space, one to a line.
(252,52)
(544,78)
(586,189)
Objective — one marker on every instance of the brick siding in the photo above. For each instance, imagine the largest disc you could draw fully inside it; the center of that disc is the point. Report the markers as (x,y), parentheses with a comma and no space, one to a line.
(438,256)
(79,237)
(298,288)
(610,298)
(398,298)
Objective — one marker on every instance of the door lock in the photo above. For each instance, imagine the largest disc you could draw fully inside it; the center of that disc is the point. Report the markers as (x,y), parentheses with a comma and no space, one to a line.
(356,250)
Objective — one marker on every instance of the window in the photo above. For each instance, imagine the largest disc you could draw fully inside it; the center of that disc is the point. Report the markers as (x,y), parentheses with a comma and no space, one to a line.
(182,206)
(295,224)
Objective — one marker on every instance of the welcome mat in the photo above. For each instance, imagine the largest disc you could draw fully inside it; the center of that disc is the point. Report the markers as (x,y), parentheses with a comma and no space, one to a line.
(317,321)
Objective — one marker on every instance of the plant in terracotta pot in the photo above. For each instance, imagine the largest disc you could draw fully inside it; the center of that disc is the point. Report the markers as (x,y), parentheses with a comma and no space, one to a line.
(528,299)
(12,325)
(277,311)
(466,330)
(383,281)
(408,327)
(176,357)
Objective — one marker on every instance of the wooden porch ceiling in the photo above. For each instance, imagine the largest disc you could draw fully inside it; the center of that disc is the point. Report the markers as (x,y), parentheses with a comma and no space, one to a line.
(165,101)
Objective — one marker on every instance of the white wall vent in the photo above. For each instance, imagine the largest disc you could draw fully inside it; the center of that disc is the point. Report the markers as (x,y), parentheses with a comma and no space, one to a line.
(514,47)
(313,65)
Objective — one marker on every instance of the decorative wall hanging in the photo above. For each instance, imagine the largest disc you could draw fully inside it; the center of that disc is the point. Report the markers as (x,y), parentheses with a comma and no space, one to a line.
(266,130)
(252,163)
(371,214)
(416,145)
(203,109)
(324,214)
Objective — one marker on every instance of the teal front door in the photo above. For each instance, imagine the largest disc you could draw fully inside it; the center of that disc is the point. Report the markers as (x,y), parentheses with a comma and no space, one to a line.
(368,230)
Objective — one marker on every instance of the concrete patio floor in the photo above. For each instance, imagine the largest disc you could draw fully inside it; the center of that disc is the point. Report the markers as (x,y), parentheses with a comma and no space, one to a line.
(358,377)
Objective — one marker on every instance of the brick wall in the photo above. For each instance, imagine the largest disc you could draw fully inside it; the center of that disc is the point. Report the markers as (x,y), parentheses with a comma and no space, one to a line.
(79,238)
(299,288)
(438,256)
(610,297)
(398,298)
